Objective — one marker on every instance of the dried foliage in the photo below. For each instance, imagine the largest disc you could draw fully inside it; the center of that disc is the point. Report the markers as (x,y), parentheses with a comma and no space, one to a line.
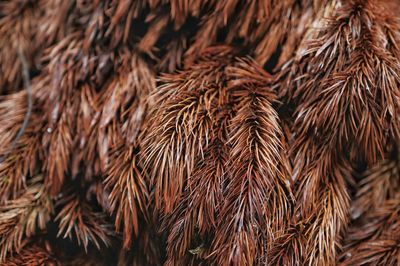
(201,132)
(18,154)
(373,235)
(258,192)
(344,83)
(349,87)
(127,185)
(76,218)
(31,256)
(376,241)
(181,124)
(24,216)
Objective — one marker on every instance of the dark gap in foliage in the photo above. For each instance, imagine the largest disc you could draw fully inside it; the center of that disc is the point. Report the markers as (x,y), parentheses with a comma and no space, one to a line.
(187,30)
(270,65)
(62,244)
(68,252)
(138,29)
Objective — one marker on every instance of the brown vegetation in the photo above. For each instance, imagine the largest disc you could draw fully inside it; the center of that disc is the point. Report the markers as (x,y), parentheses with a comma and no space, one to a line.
(205,132)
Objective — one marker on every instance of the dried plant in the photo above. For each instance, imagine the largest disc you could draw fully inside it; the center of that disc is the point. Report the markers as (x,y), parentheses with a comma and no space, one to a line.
(209,132)
(127,185)
(181,124)
(372,236)
(18,152)
(31,256)
(376,240)
(258,193)
(22,217)
(77,218)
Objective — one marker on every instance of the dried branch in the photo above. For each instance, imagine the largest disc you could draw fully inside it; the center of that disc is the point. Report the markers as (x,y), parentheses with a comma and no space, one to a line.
(58,158)
(196,167)
(31,256)
(122,15)
(376,241)
(20,148)
(78,221)
(352,97)
(196,215)
(180,125)
(257,199)
(124,100)
(128,192)
(343,104)
(124,104)
(380,183)
(27,84)
(17,24)
(21,217)
(372,237)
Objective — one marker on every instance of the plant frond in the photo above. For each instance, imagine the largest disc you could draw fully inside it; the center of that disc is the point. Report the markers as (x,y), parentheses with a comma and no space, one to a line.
(121,18)
(124,99)
(375,241)
(383,251)
(17,23)
(323,203)
(343,103)
(19,150)
(21,217)
(320,218)
(78,221)
(19,165)
(60,139)
(86,152)
(258,194)
(156,28)
(352,97)
(31,255)
(202,132)
(288,248)
(247,71)
(379,183)
(323,229)
(196,215)
(28,27)
(128,191)
(114,115)
(181,124)
(12,112)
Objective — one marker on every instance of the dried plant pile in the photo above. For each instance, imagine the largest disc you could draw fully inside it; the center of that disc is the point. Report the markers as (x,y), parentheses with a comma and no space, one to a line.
(205,132)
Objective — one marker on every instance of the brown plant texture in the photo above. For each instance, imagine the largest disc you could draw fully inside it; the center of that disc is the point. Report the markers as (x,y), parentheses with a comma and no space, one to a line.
(204,132)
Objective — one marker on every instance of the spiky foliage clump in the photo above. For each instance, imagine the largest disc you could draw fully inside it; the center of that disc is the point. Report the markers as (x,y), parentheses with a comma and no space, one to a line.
(201,132)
